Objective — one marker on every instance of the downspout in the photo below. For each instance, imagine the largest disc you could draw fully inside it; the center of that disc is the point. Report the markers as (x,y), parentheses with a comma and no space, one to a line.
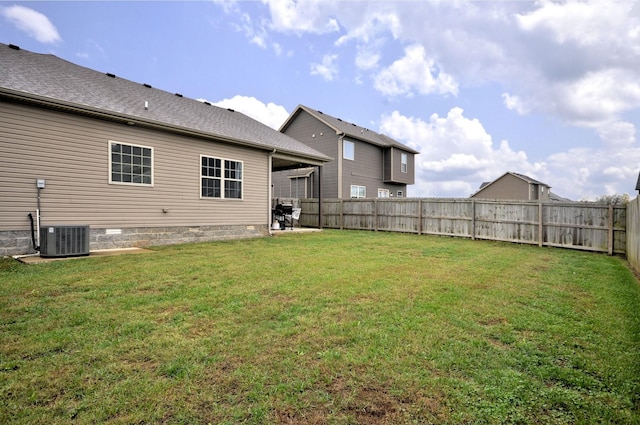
(270,192)
(38,220)
(319,196)
(340,159)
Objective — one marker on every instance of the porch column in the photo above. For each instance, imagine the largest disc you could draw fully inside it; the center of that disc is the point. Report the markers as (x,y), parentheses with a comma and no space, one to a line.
(319,196)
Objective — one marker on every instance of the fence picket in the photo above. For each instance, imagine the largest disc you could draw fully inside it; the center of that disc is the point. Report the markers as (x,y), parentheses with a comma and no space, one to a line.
(576,225)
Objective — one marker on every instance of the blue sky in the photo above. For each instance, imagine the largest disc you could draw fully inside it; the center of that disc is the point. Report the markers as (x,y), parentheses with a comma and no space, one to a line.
(546,89)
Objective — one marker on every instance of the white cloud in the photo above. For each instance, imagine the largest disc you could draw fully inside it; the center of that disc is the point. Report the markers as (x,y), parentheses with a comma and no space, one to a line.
(414,72)
(367,59)
(302,16)
(269,114)
(589,173)
(456,153)
(571,62)
(229,6)
(597,97)
(514,103)
(618,134)
(34,23)
(328,69)
(556,58)
(369,29)
(580,61)
(583,22)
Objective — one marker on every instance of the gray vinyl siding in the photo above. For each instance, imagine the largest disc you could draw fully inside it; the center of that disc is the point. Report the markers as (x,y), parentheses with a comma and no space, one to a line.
(374,166)
(286,187)
(315,134)
(72,154)
(364,170)
(393,167)
(507,187)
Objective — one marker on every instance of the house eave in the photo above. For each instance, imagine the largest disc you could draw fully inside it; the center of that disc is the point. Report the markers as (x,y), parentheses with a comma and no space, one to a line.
(79,109)
(345,132)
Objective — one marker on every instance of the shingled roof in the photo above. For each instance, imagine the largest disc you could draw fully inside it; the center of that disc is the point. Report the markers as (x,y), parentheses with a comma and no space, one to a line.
(49,81)
(349,129)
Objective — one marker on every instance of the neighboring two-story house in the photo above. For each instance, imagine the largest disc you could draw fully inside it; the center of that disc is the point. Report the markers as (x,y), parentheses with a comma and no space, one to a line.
(366,164)
(514,186)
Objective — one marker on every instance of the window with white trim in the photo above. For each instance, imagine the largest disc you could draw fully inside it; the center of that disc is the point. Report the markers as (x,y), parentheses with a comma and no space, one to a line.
(400,194)
(383,193)
(130,164)
(348,150)
(403,162)
(358,191)
(220,178)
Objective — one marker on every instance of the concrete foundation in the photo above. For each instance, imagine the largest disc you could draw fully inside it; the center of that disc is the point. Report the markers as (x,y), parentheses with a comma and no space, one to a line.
(19,242)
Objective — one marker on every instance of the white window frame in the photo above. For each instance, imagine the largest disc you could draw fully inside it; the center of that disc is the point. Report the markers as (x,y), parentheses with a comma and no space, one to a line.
(350,152)
(400,194)
(141,174)
(360,191)
(383,193)
(403,162)
(223,178)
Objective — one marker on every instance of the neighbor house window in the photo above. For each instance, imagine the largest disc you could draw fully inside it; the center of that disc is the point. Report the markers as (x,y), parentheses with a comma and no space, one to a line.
(348,150)
(358,191)
(400,194)
(383,193)
(220,178)
(403,162)
(130,164)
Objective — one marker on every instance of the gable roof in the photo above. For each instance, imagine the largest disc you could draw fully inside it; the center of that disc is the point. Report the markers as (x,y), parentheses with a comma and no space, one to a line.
(518,175)
(348,129)
(49,81)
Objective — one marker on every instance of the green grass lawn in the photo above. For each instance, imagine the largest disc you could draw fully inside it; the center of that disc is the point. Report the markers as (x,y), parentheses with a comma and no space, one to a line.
(336,327)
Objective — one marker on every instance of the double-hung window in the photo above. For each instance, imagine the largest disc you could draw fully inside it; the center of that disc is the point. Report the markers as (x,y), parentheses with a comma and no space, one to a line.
(403,162)
(220,178)
(348,150)
(358,191)
(130,164)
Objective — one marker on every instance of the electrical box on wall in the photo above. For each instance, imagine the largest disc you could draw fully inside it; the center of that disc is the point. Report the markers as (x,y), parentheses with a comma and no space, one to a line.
(40,183)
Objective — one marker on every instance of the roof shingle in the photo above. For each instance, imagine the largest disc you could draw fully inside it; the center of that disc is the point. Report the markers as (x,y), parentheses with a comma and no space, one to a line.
(49,79)
(350,129)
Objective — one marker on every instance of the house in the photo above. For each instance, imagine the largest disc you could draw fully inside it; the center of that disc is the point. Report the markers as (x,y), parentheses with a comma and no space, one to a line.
(515,186)
(138,165)
(366,164)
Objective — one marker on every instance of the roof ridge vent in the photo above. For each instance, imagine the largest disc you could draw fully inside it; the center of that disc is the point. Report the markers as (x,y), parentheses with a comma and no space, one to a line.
(147,85)
(111,75)
(230,110)
(178,94)
(206,103)
(14,47)
(339,119)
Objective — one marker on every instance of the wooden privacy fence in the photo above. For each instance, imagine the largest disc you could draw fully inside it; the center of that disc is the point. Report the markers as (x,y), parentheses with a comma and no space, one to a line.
(633,233)
(576,225)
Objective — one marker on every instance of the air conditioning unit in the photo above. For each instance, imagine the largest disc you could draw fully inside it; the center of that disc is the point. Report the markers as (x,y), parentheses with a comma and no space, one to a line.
(64,241)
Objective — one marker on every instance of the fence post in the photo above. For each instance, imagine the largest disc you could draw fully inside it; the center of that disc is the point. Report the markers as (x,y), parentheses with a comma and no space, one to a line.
(473,219)
(540,224)
(341,214)
(420,216)
(375,214)
(610,229)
